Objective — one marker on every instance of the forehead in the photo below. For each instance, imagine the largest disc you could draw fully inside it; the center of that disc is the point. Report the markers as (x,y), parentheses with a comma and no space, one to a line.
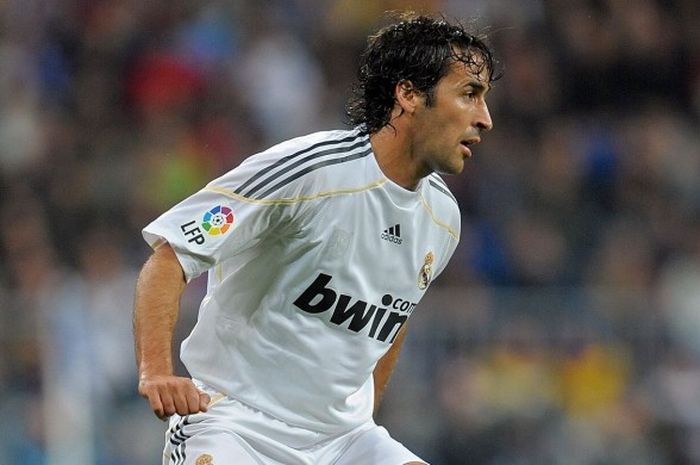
(461,73)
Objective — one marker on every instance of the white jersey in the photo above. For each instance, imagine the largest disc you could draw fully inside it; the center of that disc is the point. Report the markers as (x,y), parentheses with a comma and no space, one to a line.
(315,262)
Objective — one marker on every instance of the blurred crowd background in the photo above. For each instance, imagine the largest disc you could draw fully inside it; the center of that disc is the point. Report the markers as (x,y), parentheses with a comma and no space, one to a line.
(566,329)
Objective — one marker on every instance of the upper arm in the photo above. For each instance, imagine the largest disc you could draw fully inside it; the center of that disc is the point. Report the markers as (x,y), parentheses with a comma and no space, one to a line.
(164,256)
(162,271)
(389,359)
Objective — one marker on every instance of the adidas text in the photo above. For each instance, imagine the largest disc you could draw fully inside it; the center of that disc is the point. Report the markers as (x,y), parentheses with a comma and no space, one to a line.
(393,234)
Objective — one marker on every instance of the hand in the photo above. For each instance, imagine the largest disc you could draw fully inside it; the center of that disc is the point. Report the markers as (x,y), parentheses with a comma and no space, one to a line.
(169,394)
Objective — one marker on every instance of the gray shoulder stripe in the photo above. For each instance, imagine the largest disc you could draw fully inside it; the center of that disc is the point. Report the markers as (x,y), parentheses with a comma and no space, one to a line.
(308,169)
(301,161)
(439,180)
(443,190)
(283,160)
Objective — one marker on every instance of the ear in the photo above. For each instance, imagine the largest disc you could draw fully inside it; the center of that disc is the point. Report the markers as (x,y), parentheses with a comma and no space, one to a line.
(407,96)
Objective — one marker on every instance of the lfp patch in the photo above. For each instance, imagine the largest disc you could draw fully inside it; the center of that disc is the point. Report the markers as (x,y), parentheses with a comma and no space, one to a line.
(218,220)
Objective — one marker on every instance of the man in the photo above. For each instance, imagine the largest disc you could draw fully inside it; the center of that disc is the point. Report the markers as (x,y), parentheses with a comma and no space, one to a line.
(317,251)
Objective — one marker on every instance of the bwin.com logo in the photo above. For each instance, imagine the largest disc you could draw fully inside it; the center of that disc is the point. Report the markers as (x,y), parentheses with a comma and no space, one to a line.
(393,234)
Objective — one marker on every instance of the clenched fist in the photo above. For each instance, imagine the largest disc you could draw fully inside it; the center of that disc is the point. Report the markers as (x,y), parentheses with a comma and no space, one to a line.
(172,394)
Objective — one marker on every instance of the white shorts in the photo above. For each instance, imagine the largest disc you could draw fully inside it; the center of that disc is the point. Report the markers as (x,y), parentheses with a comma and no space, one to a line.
(232,433)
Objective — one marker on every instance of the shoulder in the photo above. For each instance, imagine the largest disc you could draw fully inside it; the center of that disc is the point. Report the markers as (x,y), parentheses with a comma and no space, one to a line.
(315,142)
(299,166)
(439,191)
(441,202)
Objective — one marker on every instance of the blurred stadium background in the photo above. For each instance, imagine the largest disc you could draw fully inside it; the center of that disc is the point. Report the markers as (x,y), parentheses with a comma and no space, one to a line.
(565,331)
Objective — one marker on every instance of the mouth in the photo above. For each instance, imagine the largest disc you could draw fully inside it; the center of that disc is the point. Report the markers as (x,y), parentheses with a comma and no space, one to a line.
(464,144)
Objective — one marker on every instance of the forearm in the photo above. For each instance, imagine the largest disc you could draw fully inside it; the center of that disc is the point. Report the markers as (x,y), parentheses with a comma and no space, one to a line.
(156,309)
(385,367)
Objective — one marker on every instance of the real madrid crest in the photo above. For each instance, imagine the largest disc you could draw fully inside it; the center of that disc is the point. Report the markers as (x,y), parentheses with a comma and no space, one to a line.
(425,275)
(205,459)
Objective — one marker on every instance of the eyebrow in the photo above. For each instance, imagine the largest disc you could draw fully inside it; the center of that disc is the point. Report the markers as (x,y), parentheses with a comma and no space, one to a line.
(476,85)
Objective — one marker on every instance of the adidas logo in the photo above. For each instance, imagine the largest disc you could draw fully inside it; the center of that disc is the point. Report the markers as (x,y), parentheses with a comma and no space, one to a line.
(393,234)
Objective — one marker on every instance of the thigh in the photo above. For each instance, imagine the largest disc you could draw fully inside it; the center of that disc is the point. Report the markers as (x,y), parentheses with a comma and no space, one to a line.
(193,443)
(376,447)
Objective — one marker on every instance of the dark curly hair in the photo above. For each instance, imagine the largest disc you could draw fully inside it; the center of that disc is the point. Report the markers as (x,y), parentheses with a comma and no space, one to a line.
(419,49)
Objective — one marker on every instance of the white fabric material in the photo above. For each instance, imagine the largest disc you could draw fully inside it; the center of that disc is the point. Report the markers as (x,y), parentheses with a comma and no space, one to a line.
(232,433)
(324,260)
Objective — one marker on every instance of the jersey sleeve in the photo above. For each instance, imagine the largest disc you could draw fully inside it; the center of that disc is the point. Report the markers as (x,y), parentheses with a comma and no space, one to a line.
(217,223)
(453,223)
(450,248)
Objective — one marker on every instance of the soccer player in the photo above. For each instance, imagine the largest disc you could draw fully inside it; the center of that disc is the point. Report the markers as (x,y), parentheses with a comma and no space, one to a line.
(317,252)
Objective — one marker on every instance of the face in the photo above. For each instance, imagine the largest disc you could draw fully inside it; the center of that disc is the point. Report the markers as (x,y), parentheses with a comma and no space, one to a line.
(445,130)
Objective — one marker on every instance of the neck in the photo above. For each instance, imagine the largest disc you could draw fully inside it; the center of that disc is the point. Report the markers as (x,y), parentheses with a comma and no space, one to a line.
(395,157)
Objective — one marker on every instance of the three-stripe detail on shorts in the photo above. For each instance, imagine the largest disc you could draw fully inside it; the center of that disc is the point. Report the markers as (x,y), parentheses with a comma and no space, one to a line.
(177,437)
(282,172)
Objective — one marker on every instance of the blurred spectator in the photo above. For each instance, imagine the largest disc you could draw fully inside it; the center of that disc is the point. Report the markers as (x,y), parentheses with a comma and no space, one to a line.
(565,329)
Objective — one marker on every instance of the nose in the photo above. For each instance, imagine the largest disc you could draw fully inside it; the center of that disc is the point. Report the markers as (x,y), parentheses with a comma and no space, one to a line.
(483,118)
